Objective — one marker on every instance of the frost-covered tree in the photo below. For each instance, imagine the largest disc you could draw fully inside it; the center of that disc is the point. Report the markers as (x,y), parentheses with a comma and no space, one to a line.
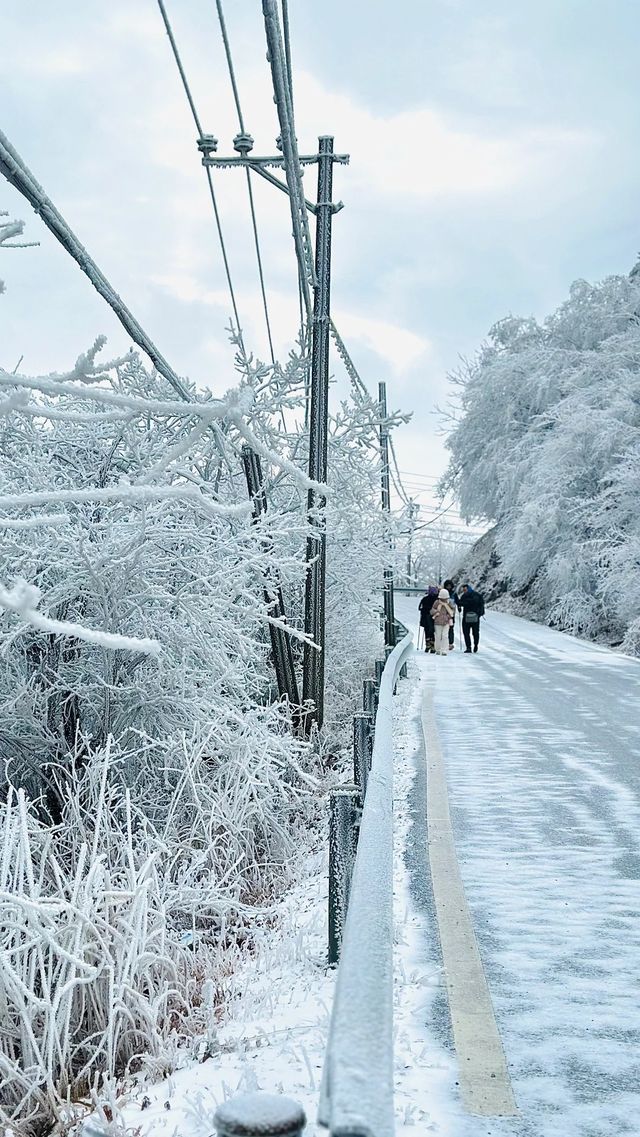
(436,553)
(547,447)
(154,791)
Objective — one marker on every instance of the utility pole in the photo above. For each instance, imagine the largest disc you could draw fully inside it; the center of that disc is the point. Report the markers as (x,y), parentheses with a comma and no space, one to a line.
(389,615)
(315,588)
(280,640)
(323,209)
(414,509)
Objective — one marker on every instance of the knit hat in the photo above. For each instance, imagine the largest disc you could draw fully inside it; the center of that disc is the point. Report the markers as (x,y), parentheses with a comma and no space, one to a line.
(443,594)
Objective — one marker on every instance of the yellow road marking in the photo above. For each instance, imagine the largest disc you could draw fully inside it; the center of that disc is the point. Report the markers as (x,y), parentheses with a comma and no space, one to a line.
(484,1079)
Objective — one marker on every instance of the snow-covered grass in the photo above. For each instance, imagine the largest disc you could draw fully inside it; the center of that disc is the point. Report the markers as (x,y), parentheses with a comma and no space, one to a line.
(272,1033)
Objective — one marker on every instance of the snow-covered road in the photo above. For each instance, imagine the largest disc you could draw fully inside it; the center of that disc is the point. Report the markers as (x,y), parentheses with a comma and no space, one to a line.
(541,739)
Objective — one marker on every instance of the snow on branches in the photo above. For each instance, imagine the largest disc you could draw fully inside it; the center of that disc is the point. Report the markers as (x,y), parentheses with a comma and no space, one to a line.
(9,230)
(23,600)
(147,796)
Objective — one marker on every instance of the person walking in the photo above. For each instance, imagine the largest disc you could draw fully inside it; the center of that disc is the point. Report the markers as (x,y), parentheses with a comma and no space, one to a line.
(471,604)
(426,619)
(451,589)
(442,613)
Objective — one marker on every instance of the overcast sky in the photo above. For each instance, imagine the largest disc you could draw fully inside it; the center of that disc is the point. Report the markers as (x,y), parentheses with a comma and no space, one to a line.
(495,154)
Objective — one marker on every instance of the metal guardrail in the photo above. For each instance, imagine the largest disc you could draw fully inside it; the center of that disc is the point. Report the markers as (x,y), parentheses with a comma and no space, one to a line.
(357,1082)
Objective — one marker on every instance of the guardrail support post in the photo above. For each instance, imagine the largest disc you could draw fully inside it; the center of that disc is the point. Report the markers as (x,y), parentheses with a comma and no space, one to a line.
(344,815)
(379,669)
(363,726)
(259,1115)
(369,696)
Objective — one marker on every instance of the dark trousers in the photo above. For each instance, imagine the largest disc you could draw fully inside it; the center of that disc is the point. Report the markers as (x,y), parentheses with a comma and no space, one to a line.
(429,635)
(452,638)
(469,630)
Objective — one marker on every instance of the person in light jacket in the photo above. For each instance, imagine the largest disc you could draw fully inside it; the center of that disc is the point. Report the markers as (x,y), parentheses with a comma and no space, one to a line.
(442,613)
(453,596)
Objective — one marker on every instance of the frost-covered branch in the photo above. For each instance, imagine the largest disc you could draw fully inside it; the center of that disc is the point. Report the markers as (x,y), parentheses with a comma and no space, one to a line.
(23,599)
(8,231)
(127,493)
(49,519)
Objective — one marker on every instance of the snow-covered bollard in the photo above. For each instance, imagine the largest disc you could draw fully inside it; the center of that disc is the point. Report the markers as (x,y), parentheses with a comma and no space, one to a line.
(344,817)
(259,1115)
(363,726)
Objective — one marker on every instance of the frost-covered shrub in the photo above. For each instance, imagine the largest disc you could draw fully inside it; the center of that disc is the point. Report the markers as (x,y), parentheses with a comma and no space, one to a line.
(547,447)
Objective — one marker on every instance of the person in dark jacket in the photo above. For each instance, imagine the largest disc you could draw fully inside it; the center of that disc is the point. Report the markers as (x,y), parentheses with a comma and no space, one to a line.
(471,604)
(451,589)
(426,619)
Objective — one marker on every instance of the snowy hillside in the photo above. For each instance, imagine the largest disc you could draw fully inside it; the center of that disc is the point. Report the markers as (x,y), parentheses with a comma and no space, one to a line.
(547,448)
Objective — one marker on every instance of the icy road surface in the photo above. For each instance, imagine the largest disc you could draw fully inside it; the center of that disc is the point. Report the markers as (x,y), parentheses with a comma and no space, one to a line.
(541,739)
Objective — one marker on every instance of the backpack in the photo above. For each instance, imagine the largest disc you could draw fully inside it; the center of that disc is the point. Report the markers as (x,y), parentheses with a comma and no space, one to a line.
(441,614)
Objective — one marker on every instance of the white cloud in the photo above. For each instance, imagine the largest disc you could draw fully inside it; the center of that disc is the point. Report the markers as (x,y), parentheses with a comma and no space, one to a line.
(397,346)
(187,289)
(421,153)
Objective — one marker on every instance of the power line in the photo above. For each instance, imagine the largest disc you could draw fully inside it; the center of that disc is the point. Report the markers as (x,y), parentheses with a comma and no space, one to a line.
(203,141)
(282,76)
(350,367)
(420,477)
(430,510)
(397,483)
(471,529)
(451,541)
(287,46)
(398,488)
(293,170)
(244,143)
(18,174)
(425,524)
(232,74)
